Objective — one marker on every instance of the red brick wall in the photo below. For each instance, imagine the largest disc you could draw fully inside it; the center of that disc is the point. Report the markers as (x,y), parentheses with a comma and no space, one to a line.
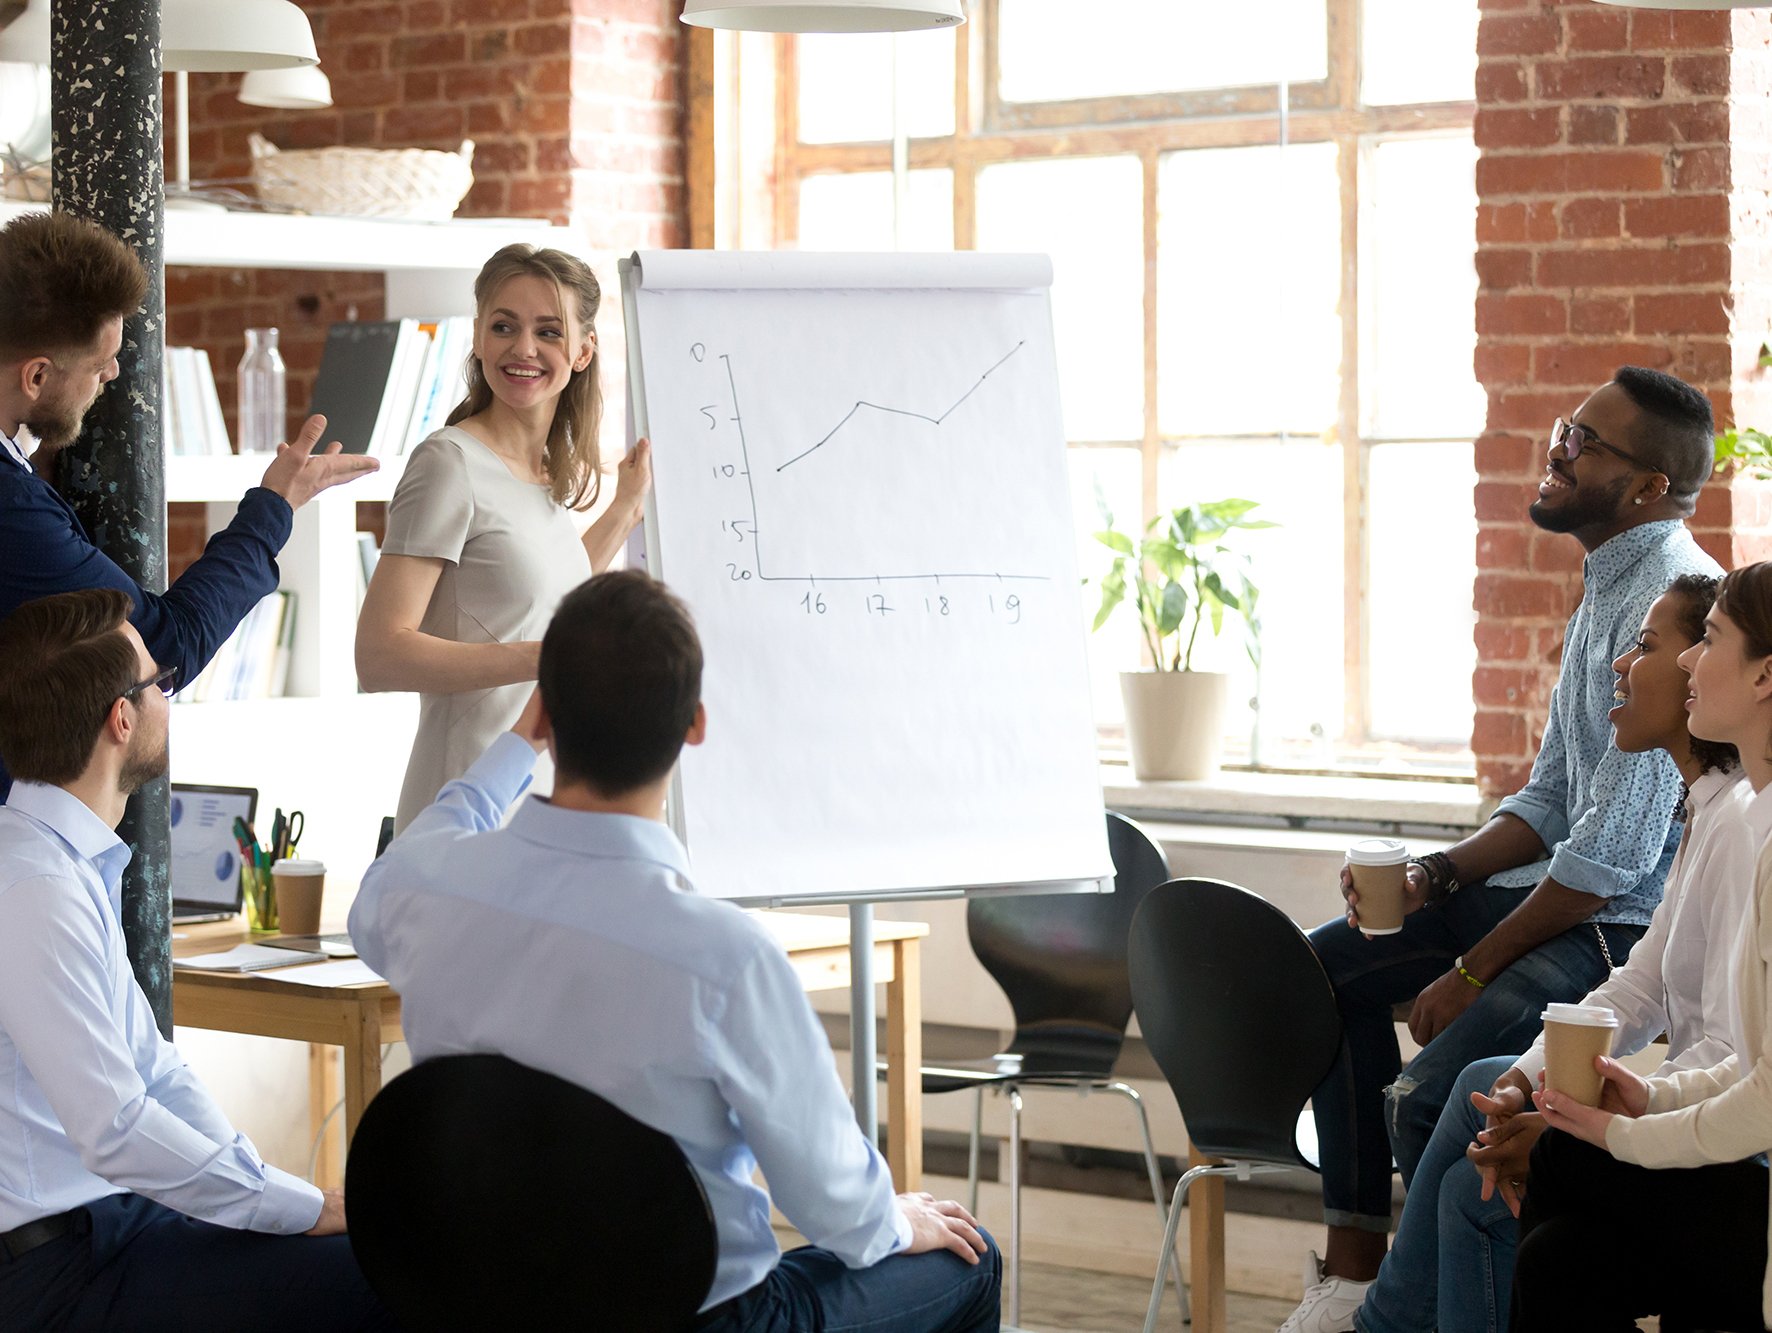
(575,113)
(1615,225)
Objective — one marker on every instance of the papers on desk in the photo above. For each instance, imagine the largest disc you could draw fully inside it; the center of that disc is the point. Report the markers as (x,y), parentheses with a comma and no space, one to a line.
(245,958)
(344,972)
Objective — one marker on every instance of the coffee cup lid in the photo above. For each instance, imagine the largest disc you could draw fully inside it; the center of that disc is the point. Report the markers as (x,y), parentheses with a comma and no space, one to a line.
(297,866)
(1584,1015)
(1377,852)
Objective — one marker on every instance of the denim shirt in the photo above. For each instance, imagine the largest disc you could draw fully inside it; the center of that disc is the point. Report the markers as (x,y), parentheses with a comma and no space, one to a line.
(1607,816)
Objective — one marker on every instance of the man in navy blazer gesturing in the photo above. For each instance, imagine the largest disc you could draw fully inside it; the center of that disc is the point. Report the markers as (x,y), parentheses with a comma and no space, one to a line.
(66,286)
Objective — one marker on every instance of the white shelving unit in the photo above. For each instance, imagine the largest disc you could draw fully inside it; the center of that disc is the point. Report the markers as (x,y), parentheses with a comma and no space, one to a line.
(327,750)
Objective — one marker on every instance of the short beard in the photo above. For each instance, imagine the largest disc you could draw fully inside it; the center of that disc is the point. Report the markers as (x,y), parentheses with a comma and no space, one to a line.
(1585,508)
(139,770)
(55,428)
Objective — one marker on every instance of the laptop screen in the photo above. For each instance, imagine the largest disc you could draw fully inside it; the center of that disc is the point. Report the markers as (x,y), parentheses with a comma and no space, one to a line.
(205,856)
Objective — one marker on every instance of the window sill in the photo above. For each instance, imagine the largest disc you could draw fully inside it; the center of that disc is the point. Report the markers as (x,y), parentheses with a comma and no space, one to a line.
(1290,800)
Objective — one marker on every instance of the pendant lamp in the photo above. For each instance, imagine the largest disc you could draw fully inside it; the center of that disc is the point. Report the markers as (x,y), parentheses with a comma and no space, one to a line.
(25,40)
(225,36)
(824,15)
(217,36)
(300,89)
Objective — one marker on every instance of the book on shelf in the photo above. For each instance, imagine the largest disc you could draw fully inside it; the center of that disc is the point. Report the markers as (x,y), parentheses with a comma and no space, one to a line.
(254,661)
(191,405)
(384,385)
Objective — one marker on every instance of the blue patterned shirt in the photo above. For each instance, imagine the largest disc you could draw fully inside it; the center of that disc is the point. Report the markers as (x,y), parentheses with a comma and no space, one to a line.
(1607,816)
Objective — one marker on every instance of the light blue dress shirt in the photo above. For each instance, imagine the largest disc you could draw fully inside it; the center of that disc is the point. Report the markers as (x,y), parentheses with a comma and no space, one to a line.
(93,1100)
(576,943)
(1607,816)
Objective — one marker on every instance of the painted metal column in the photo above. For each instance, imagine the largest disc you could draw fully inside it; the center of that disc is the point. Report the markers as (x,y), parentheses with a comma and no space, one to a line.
(104,60)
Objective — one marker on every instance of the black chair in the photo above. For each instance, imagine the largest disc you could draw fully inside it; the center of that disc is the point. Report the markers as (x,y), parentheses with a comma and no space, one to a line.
(1061,960)
(484,1194)
(1240,1017)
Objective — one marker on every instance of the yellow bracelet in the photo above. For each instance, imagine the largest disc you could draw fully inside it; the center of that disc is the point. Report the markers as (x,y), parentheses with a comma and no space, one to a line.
(1458,963)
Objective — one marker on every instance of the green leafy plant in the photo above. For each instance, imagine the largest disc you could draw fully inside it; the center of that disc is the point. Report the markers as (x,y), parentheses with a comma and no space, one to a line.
(1747,446)
(1181,576)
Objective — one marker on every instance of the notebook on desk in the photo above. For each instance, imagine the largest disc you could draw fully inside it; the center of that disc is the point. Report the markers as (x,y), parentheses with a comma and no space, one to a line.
(205,871)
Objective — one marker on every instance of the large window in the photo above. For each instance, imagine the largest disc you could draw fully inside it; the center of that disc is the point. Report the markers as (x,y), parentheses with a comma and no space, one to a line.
(1261,219)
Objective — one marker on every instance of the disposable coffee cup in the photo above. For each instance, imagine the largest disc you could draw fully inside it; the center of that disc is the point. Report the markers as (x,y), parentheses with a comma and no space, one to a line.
(1377,867)
(300,885)
(1573,1035)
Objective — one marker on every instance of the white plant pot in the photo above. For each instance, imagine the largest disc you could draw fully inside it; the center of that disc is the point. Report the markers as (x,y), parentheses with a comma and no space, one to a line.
(1174,723)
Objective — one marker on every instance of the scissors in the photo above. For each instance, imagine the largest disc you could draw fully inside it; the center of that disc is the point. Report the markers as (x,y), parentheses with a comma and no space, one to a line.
(292,831)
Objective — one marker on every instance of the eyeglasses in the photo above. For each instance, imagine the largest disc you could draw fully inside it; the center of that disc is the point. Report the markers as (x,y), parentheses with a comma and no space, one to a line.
(1570,440)
(166,682)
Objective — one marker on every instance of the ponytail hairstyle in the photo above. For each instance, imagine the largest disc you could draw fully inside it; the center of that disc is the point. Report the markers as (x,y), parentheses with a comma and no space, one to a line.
(1693,595)
(573,463)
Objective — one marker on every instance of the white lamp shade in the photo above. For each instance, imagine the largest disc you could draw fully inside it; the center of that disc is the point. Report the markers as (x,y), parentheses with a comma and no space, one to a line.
(223,36)
(300,89)
(825,15)
(26,39)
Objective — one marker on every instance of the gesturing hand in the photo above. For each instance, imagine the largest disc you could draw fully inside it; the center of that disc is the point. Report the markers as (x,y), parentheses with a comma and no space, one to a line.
(941,1224)
(298,474)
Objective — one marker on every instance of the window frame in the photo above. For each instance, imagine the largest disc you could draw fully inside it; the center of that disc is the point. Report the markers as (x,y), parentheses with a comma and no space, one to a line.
(989,131)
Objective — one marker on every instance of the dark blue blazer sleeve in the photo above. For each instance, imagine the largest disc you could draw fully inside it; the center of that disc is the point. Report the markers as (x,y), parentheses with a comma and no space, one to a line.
(44,549)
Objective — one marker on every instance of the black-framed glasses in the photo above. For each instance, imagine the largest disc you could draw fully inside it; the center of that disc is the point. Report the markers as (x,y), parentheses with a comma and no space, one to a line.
(166,682)
(1569,440)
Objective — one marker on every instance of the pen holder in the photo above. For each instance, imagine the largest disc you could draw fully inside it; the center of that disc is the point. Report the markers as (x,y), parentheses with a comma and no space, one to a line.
(259,892)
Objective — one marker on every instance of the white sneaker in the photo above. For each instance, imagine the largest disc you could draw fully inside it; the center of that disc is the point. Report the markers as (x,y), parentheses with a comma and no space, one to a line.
(1329,1302)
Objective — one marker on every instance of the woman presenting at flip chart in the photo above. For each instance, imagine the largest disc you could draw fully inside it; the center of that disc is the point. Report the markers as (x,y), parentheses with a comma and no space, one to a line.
(480,543)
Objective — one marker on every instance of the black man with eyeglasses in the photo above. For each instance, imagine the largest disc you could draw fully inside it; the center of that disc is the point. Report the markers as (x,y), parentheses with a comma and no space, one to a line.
(127,1198)
(1541,902)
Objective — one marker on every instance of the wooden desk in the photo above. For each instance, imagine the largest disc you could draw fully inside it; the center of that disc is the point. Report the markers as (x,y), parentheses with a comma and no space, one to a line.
(362,1019)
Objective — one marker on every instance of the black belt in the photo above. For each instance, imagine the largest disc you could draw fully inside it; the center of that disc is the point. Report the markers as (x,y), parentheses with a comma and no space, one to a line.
(20,1241)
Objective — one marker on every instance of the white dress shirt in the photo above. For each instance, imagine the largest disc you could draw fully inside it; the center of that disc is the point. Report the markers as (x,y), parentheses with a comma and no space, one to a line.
(575,943)
(1678,979)
(93,1100)
(13,452)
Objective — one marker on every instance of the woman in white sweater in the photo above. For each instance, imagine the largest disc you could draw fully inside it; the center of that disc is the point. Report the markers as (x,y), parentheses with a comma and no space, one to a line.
(1603,1239)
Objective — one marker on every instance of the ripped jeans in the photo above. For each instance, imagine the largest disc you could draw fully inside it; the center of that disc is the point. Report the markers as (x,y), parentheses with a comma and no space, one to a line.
(1369,1107)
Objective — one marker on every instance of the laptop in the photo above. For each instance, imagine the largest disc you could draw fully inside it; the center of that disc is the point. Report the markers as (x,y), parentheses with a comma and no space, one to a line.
(205,857)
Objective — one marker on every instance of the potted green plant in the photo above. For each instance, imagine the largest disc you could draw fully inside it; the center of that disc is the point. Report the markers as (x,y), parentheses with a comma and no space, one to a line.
(1181,577)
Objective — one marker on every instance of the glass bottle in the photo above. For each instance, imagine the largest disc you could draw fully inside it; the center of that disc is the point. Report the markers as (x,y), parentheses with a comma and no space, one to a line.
(263,403)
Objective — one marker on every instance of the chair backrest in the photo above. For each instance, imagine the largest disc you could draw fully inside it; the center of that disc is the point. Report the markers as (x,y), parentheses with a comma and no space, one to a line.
(1237,1012)
(1061,958)
(485,1194)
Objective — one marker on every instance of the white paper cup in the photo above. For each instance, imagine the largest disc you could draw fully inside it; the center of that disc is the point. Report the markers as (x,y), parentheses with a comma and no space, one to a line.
(300,885)
(1377,867)
(1573,1035)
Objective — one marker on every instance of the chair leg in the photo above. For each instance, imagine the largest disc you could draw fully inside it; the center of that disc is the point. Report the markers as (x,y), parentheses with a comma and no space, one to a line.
(972,1151)
(1014,1205)
(1156,1178)
(1166,1255)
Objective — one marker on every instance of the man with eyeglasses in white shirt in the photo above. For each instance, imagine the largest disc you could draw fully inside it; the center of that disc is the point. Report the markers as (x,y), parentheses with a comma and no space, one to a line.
(127,1199)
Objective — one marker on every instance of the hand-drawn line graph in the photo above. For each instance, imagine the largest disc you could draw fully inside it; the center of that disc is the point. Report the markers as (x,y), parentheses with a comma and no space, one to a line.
(757,525)
(901,411)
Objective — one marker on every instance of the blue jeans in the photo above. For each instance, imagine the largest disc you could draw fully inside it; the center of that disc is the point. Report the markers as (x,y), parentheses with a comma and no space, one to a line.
(137,1265)
(1369,1107)
(812,1291)
(1451,1265)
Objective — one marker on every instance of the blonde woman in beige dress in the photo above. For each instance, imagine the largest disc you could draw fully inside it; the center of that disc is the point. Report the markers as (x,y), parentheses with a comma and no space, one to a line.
(481,544)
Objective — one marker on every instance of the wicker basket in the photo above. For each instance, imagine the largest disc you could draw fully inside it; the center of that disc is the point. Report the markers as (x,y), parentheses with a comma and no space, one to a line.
(367,182)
